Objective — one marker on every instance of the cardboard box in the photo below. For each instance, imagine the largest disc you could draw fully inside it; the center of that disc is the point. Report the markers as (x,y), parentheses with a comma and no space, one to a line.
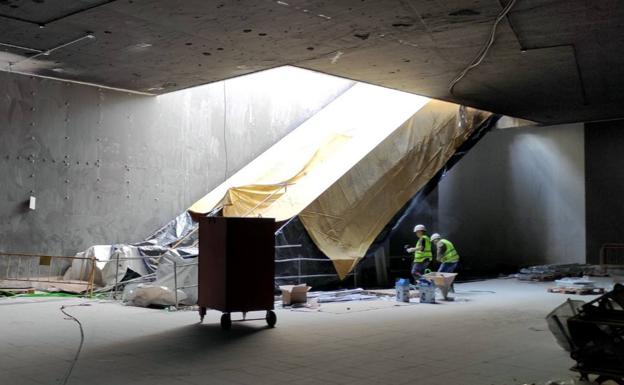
(293,294)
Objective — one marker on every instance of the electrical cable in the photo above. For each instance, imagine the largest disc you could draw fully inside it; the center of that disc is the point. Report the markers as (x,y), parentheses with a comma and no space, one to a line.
(483,52)
(49,51)
(72,318)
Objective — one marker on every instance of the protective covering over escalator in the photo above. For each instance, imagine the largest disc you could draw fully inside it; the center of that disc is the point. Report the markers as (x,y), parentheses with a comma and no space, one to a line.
(349,169)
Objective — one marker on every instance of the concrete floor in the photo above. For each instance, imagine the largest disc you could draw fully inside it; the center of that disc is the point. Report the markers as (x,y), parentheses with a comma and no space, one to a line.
(494,333)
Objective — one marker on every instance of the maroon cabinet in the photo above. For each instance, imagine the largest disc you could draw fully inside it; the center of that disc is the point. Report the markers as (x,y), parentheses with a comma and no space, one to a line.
(236,265)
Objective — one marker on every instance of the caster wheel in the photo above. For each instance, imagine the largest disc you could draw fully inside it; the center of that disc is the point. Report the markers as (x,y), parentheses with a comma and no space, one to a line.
(271,318)
(226,321)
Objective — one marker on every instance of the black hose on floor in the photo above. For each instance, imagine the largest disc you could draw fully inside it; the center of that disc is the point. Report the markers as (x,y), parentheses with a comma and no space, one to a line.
(72,318)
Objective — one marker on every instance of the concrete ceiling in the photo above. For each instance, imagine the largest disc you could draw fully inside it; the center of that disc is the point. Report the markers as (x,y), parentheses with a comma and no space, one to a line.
(552,61)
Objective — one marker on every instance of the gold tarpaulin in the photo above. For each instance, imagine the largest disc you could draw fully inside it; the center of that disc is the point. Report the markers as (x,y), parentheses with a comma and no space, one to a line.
(345,220)
(348,169)
(290,175)
(272,200)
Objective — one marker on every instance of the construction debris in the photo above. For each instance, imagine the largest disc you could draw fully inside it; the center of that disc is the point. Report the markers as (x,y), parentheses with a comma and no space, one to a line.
(146,295)
(341,295)
(294,294)
(593,334)
(11,292)
(578,283)
(577,291)
(558,271)
(69,286)
(387,293)
(558,322)
(577,286)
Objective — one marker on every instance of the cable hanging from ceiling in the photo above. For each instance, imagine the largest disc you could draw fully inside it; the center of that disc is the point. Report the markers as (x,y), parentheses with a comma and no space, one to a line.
(483,52)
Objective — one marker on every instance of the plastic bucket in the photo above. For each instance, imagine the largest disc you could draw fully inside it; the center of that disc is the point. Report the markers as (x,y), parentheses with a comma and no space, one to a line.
(426,289)
(402,290)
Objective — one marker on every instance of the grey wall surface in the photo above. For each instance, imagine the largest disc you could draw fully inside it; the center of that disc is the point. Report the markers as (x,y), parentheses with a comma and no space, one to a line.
(604,146)
(518,198)
(109,167)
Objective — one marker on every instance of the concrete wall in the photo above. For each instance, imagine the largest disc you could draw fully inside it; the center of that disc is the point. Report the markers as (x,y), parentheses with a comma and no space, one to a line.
(604,145)
(518,198)
(109,167)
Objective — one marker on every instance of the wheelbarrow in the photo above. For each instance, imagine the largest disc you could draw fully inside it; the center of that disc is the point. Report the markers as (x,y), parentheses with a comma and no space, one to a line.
(442,281)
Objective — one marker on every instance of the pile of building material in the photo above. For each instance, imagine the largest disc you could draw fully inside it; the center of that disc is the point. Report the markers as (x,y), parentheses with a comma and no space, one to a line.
(578,286)
(577,291)
(160,271)
(341,295)
(558,271)
(390,293)
(299,296)
(576,283)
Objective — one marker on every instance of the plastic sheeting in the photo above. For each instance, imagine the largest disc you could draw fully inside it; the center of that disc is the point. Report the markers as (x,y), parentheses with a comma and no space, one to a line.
(186,268)
(123,259)
(348,170)
(145,294)
(284,180)
(117,263)
(178,228)
(293,233)
(80,269)
(346,218)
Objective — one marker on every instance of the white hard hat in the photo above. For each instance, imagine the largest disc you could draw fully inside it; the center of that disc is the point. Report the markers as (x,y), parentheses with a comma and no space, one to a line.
(420,228)
(435,236)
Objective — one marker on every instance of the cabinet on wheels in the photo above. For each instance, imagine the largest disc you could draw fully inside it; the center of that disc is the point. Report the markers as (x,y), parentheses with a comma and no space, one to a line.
(236,267)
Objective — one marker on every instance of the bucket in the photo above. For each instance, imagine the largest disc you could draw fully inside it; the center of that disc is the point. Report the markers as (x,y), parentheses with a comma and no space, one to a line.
(426,288)
(402,290)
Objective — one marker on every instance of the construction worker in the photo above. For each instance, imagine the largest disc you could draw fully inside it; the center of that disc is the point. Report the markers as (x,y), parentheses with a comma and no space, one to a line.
(446,254)
(422,252)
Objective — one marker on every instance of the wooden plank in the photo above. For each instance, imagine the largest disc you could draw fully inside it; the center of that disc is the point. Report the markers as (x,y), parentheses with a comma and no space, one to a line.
(18,290)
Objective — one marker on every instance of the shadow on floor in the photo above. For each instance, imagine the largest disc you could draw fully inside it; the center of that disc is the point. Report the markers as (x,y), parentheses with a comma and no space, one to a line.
(177,346)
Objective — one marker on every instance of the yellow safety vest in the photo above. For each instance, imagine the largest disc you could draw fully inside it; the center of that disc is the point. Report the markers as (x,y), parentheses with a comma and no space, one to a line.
(423,251)
(450,255)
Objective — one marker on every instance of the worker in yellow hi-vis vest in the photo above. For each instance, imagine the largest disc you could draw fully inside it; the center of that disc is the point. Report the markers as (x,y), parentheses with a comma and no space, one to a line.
(446,254)
(422,252)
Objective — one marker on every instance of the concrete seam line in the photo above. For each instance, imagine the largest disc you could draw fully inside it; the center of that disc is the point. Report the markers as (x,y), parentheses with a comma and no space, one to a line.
(79,82)
(225,149)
